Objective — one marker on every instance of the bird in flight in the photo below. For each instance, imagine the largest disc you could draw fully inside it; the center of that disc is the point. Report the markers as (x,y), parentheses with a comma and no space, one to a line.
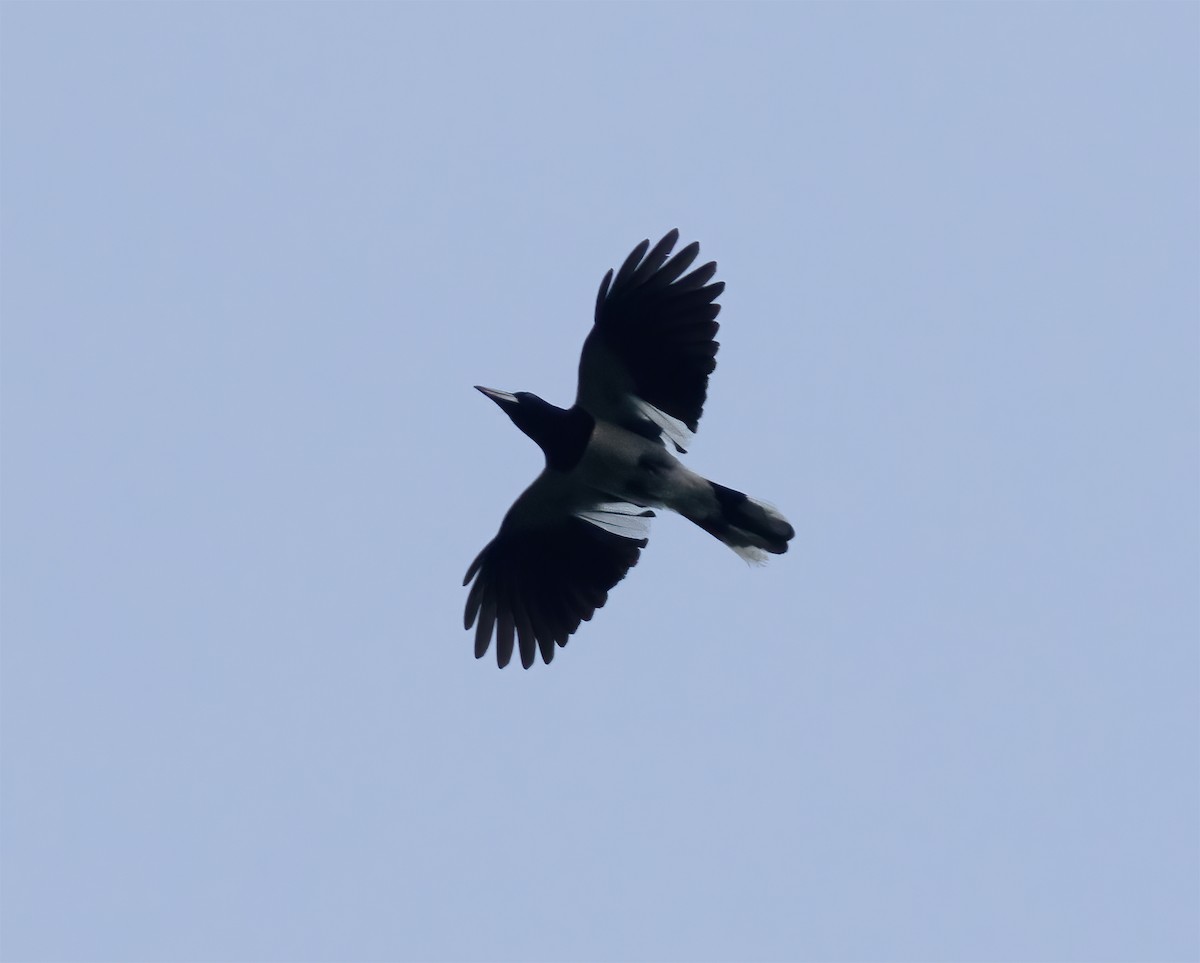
(610,459)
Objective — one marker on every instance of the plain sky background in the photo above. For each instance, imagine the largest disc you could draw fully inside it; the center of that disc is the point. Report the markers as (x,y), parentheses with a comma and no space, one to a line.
(256,255)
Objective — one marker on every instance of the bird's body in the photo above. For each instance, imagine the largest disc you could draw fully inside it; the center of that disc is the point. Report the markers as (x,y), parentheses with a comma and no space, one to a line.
(580,526)
(616,465)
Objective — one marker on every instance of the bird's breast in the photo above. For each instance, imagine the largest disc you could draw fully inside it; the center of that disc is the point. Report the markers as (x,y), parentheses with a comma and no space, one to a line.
(627,466)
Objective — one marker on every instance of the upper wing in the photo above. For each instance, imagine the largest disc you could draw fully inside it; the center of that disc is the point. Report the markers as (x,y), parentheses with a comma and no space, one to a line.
(549,569)
(646,361)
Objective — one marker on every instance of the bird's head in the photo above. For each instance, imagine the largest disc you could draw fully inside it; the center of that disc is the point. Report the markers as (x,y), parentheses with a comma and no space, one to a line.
(528,412)
(560,433)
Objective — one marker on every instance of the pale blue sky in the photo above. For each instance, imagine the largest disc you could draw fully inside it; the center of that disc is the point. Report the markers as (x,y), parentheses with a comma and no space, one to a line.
(255,257)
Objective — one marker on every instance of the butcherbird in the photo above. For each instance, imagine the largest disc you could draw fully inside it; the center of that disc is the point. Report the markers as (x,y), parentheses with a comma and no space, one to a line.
(578,529)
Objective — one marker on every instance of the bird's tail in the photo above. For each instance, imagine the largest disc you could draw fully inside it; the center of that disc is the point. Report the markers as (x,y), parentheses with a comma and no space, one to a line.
(750,527)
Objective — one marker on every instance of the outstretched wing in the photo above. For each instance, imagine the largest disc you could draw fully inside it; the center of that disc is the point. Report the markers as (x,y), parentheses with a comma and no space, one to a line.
(646,361)
(548,570)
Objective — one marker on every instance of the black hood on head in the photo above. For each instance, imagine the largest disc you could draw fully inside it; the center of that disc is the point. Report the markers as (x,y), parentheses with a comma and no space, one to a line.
(561,433)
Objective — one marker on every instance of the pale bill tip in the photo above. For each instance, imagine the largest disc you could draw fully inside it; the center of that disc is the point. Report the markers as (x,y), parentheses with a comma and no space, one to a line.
(496,395)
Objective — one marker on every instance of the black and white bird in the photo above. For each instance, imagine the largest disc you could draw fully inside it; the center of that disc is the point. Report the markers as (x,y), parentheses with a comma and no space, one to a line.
(578,529)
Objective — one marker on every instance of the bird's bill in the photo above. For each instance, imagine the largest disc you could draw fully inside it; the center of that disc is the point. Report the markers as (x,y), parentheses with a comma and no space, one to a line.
(500,397)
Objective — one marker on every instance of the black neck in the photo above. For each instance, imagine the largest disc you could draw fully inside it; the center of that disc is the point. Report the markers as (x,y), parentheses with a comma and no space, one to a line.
(562,434)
